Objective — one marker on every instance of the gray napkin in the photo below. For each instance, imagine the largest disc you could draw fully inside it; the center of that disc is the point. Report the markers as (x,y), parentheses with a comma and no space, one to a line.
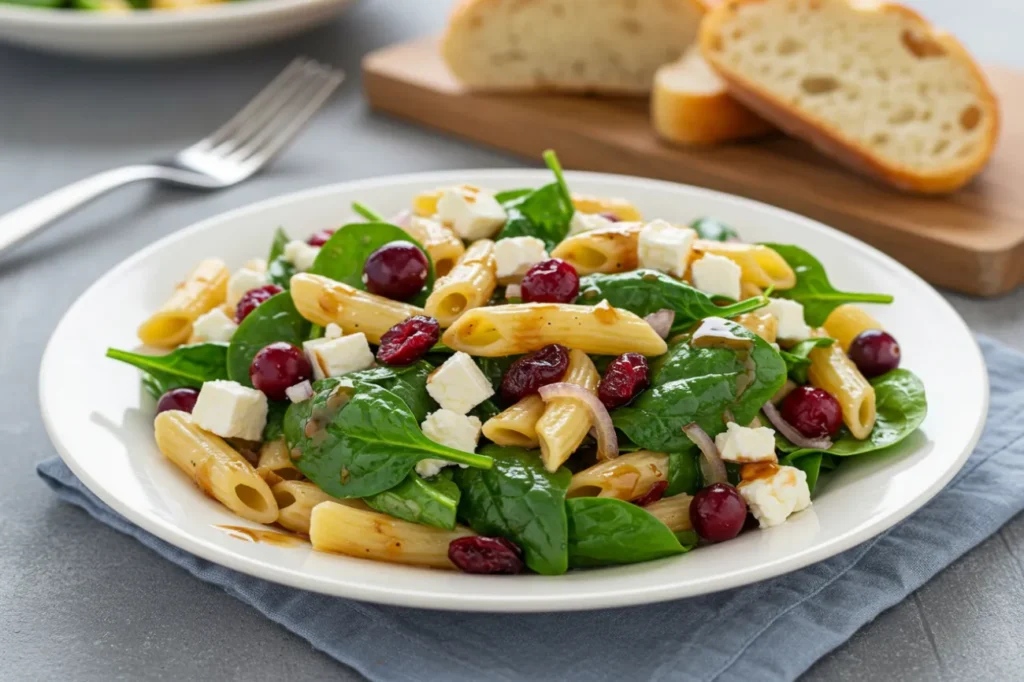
(773,630)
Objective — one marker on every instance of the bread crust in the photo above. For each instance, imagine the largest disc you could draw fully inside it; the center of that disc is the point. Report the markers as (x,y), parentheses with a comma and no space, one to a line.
(831,141)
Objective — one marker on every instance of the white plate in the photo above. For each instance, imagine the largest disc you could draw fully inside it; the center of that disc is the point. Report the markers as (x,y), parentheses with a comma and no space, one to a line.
(163,33)
(101,423)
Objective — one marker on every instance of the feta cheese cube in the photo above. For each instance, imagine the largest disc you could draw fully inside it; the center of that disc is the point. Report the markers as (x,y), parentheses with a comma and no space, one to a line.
(515,255)
(300,254)
(471,212)
(665,247)
(452,429)
(585,222)
(717,276)
(244,280)
(299,392)
(231,410)
(332,357)
(459,385)
(772,499)
(213,326)
(741,444)
(332,331)
(790,315)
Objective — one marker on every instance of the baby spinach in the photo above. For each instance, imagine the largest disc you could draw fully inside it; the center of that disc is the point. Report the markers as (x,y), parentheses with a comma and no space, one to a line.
(343,256)
(712,230)
(604,531)
(691,384)
(520,500)
(813,289)
(643,292)
(544,213)
(409,383)
(186,366)
(275,420)
(279,270)
(367,212)
(508,195)
(809,464)
(355,439)
(798,358)
(485,410)
(432,502)
(276,319)
(494,368)
(683,472)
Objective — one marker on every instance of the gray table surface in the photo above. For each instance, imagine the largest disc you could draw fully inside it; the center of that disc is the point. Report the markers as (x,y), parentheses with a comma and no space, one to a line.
(79,601)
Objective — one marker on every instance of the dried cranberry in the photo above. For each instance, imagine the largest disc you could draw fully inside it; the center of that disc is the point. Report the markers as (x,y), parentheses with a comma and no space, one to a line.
(398,270)
(813,412)
(655,493)
(718,512)
(874,352)
(183,399)
(530,372)
(625,377)
(408,341)
(278,366)
(486,555)
(253,298)
(321,237)
(550,281)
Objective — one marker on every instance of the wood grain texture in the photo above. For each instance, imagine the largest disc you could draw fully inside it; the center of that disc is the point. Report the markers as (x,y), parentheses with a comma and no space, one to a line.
(971,241)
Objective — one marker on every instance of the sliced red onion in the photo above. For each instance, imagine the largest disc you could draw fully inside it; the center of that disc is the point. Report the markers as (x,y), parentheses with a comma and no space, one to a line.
(711,465)
(792,435)
(403,219)
(513,291)
(299,392)
(661,321)
(607,441)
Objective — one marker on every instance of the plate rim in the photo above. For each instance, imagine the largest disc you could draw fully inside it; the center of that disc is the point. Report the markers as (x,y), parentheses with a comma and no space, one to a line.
(38,17)
(521,603)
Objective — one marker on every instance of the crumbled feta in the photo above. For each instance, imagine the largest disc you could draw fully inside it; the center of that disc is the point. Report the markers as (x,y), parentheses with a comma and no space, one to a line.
(459,385)
(299,392)
(585,222)
(214,326)
(741,444)
(717,276)
(665,247)
(773,498)
(231,410)
(515,255)
(452,429)
(244,280)
(300,254)
(332,357)
(790,315)
(471,212)
(332,331)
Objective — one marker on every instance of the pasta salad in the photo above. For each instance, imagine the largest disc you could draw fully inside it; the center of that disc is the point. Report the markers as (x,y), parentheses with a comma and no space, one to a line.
(526,380)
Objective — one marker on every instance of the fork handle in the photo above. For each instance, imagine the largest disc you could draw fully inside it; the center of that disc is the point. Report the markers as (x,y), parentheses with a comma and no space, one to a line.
(25,221)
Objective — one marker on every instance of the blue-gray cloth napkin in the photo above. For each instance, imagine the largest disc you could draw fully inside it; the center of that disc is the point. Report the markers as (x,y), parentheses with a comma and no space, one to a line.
(773,630)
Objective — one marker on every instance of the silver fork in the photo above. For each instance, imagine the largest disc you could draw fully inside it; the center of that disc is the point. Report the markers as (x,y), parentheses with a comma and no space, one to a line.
(233,153)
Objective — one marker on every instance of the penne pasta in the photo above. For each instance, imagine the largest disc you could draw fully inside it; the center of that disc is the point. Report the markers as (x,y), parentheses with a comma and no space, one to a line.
(516,426)
(763,324)
(620,208)
(275,464)
(626,477)
(834,372)
(335,527)
(204,289)
(295,502)
(605,250)
(215,466)
(323,301)
(469,285)
(847,322)
(443,245)
(673,511)
(565,421)
(524,327)
(759,264)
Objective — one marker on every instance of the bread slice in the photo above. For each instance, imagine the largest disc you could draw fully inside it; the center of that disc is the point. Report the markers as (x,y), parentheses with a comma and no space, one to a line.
(595,46)
(691,105)
(873,84)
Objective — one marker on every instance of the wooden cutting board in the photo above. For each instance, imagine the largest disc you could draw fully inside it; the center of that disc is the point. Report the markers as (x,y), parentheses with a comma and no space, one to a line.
(971,241)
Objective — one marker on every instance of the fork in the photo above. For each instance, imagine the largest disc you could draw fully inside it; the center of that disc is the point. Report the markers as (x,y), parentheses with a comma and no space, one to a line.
(233,153)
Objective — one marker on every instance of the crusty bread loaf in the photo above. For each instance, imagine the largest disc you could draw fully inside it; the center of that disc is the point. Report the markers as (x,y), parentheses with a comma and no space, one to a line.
(691,105)
(598,46)
(873,84)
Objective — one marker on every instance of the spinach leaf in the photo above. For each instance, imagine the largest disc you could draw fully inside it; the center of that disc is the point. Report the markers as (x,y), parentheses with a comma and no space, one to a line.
(275,420)
(544,213)
(367,212)
(187,366)
(409,383)
(698,385)
(510,195)
(604,531)
(355,439)
(813,290)
(520,500)
(485,410)
(276,319)
(712,230)
(343,256)
(809,464)
(683,472)
(432,502)
(646,291)
(494,368)
(279,270)
(798,359)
